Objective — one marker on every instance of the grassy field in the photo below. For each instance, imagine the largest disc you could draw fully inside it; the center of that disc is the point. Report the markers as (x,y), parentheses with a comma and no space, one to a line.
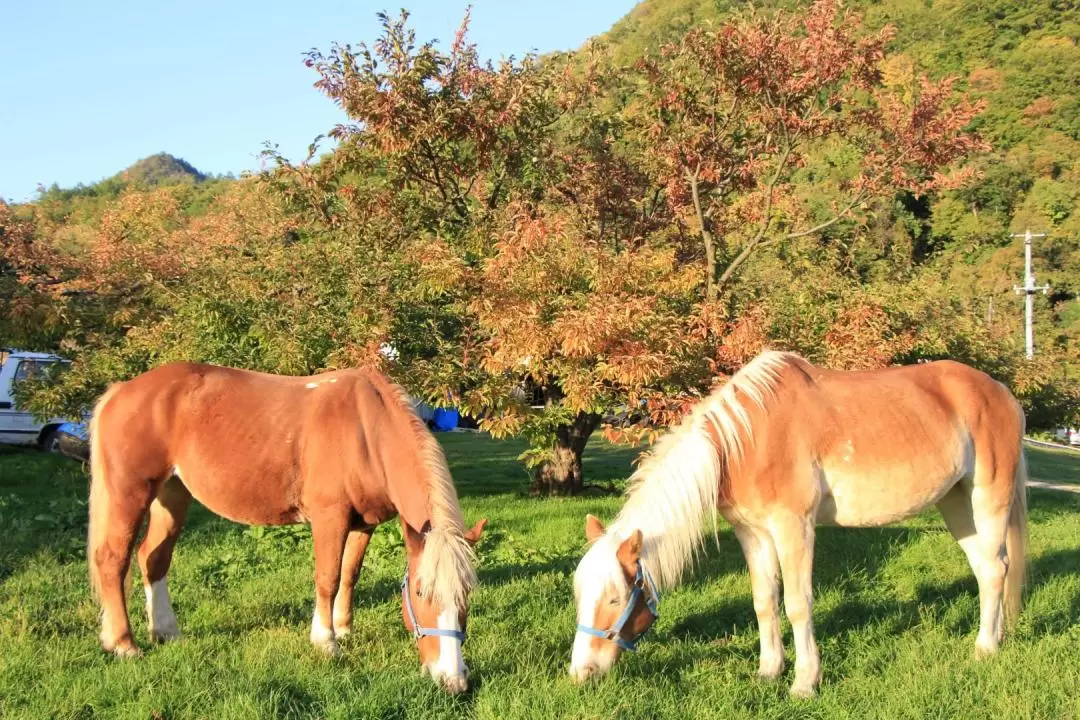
(896,617)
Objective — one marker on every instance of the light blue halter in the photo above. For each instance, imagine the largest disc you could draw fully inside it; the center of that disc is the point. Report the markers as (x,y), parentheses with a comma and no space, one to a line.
(640,579)
(419,632)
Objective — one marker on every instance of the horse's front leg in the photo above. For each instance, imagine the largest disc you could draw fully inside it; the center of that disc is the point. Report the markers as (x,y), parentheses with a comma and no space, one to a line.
(793,535)
(764,570)
(353,560)
(328,533)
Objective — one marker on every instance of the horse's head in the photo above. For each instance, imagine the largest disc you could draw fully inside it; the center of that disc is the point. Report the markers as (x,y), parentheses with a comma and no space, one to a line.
(616,600)
(438,624)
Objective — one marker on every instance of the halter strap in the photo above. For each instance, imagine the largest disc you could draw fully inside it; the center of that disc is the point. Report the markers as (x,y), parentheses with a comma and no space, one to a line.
(418,631)
(641,578)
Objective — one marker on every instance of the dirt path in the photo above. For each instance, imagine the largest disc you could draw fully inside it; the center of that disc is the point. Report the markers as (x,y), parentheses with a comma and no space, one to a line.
(1064,487)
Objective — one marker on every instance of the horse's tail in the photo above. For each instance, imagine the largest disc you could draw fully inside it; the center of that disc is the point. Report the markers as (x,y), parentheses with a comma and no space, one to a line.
(98,526)
(1016,539)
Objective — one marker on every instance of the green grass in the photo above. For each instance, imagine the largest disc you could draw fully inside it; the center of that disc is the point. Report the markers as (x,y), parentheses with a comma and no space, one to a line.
(896,617)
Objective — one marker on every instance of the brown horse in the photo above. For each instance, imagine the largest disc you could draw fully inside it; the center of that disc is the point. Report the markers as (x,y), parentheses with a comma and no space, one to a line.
(343,451)
(785,446)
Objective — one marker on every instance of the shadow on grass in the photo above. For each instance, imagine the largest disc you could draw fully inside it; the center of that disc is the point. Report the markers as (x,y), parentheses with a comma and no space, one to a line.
(865,552)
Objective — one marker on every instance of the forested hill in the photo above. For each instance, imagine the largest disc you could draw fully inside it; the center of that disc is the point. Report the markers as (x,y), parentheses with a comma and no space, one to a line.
(1022,58)
(84,203)
(617,236)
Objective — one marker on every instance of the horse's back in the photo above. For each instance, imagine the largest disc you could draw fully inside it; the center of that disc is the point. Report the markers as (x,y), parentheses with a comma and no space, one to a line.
(881,444)
(241,441)
(942,391)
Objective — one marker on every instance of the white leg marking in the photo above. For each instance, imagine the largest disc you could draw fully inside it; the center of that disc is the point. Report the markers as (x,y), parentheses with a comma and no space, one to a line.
(342,611)
(322,634)
(159,612)
(341,626)
(450,669)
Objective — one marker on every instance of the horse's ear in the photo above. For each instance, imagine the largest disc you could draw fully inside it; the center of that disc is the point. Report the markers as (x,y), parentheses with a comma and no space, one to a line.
(593,528)
(630,552)
(474,532)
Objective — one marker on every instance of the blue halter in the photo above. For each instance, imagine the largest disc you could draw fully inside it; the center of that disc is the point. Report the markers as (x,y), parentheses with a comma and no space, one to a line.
(640,579)
(419,632)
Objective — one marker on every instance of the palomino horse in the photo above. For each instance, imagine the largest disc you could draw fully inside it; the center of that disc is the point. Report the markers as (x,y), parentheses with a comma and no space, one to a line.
(343,451)
(784,446)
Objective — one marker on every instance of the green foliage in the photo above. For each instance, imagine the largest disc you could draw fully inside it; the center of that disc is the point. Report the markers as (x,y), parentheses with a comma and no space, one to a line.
(532,224)
(896,612)
(1023,59)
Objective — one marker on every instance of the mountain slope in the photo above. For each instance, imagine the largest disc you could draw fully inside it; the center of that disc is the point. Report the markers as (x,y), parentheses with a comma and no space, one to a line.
(1024,60)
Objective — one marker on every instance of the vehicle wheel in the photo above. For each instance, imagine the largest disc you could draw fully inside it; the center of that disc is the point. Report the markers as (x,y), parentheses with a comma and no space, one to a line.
(51,442)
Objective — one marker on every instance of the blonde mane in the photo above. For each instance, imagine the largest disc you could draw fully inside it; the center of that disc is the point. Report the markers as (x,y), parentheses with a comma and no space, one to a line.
(679,483)
(446,568)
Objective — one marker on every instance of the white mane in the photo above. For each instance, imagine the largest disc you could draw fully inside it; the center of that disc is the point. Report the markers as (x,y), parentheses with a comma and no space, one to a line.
(679,483)
(446,566)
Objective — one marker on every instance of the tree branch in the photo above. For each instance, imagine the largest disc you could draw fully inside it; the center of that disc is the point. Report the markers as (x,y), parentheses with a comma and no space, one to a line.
(766,220)
(859,199)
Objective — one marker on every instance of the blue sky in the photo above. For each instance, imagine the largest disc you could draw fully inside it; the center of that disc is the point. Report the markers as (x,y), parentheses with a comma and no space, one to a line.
(90,87)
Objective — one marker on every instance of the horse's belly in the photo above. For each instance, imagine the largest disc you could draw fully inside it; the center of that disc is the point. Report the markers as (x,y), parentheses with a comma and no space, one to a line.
(854,498)
(248,500)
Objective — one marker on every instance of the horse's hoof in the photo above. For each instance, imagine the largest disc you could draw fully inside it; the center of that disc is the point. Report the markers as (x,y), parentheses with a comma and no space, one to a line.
(165,635)
(802,692)
(455,685)
(770,673)
(330,648)
(127,651)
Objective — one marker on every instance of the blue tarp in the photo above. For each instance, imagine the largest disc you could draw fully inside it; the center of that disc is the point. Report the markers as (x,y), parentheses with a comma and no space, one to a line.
(77,430)
(445,419)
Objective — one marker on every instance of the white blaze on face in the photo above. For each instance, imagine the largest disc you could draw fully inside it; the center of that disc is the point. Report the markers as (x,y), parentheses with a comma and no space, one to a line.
(450,668)
(596,570)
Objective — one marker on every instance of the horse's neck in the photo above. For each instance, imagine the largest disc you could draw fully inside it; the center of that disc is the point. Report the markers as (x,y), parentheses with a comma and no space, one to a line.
(411,498)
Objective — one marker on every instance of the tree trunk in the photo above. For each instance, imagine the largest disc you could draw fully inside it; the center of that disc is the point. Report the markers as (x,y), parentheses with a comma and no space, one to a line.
(707,238)
(562,474)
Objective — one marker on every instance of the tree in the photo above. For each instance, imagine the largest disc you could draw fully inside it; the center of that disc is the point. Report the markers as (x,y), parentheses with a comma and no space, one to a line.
(731,114)
(559,228)
(538,232)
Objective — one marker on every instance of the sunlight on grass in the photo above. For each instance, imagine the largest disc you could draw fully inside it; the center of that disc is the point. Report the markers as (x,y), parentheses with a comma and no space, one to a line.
(896,617)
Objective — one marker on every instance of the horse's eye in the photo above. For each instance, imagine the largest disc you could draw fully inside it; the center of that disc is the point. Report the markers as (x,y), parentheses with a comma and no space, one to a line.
(613,601)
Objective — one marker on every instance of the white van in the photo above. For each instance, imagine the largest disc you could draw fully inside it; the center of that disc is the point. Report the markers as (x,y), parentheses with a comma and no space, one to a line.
(16,426)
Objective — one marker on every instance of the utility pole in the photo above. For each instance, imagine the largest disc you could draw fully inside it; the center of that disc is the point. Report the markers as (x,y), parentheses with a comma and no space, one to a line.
(1029,289)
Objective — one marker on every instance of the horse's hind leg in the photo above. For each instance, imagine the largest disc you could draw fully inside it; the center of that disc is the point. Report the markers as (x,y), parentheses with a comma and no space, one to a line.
(978,519)
(353,559)
(167,514)
(115,522)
